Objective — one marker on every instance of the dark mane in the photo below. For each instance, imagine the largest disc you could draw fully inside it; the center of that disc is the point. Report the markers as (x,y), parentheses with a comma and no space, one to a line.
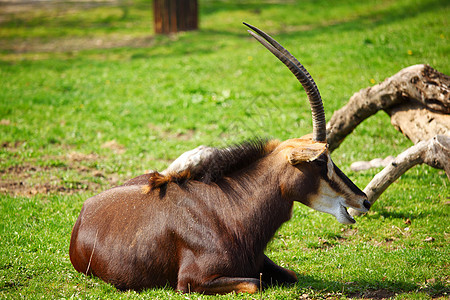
(222,162)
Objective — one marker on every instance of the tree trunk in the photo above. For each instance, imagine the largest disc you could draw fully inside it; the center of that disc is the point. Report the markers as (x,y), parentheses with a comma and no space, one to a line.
(171,16)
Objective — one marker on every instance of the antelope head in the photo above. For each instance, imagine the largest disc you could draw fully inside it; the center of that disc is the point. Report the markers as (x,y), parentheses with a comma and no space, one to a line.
(318,182)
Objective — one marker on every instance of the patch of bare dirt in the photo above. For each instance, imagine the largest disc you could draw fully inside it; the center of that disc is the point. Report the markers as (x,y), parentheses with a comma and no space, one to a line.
(11,146)
(72,176)
(25,10)
(23,6)
(349,231)
(77,157)
(168,134)
(114,146)
(72,44)
(378,294)
(5,122)
(183,136)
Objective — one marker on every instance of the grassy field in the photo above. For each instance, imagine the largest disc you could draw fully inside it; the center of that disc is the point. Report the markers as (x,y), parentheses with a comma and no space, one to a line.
(90,98)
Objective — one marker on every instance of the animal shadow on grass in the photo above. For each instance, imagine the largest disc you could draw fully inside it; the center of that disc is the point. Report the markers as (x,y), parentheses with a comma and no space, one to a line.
(368,289)
(387,214)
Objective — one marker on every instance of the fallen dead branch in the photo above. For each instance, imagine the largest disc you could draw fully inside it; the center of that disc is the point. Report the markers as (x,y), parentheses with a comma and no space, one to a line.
(416,98)
(434,152)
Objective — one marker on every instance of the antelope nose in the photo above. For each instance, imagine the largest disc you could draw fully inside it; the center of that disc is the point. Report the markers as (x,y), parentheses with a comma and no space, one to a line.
(366,204)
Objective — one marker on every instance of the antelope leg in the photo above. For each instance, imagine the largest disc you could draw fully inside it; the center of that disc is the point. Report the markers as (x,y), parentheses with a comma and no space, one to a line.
(274,274)
(224,285)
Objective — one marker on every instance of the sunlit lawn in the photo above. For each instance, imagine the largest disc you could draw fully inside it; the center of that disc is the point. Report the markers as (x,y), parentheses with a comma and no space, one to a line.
(81,111)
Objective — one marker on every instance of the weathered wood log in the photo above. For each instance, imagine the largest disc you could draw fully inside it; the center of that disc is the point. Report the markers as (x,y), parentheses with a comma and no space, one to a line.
(418,89)
(434,152)
(417,122)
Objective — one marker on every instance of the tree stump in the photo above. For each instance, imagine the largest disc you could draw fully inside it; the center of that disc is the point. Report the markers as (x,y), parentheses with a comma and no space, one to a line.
(171,16)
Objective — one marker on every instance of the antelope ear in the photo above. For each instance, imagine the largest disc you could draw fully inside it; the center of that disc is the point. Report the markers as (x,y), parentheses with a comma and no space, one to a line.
(307,152)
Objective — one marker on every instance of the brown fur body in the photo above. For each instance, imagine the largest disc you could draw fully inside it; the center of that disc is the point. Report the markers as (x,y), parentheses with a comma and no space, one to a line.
(193,235)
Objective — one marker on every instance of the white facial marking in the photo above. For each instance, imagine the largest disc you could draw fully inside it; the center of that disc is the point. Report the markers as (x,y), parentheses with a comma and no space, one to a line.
(330,167)
(329,201)
(336,197)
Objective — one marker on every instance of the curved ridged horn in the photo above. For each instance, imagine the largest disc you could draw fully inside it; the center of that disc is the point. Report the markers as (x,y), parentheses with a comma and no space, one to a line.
(303,76)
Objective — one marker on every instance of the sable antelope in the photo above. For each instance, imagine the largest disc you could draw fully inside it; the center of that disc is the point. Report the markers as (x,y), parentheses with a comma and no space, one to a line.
(204,229)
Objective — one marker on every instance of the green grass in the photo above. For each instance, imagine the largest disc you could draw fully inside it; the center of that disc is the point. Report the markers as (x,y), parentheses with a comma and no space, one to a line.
(80,112)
